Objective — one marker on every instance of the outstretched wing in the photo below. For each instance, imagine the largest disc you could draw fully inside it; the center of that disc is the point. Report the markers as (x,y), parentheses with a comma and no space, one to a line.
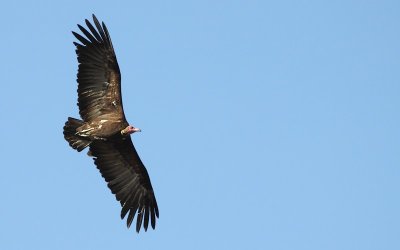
(99,78)
(127,178)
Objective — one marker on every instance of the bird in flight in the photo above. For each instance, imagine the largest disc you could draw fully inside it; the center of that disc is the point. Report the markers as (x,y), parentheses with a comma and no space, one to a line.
(104,128)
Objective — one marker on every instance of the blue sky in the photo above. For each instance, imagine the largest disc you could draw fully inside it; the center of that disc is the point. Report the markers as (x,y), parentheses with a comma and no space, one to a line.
(265,125)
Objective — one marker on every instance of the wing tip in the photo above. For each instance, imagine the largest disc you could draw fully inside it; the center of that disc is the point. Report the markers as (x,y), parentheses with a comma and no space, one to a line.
(144,214)
(94,16)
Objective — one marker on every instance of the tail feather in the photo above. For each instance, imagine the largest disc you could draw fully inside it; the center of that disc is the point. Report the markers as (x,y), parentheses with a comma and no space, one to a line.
(75,141)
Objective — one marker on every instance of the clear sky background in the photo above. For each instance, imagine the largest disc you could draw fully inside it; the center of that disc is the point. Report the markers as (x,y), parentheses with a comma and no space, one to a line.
(266,124)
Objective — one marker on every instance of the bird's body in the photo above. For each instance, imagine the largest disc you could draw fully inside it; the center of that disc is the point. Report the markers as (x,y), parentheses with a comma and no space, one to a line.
(101,128)
(104,128)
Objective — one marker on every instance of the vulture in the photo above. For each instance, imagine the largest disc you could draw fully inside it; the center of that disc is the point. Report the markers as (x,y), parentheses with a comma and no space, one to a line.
(104,128)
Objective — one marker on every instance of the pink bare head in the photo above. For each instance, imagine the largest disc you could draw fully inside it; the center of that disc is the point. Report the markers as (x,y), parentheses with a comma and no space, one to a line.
(130,130)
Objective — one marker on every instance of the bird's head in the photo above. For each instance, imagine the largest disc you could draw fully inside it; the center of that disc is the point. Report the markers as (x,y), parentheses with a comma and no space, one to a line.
(130,130)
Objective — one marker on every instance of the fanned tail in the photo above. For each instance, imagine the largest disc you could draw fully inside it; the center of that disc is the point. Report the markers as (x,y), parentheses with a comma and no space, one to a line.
(75,141)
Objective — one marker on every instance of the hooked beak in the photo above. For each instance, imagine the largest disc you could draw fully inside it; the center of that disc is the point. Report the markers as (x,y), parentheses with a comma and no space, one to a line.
(137,130)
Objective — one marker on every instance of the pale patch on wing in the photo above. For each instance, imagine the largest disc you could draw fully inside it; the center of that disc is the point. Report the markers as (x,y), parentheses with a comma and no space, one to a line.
(86,130)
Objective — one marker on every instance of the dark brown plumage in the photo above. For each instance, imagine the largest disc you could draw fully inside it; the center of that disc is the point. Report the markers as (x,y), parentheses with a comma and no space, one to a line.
(105,129)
